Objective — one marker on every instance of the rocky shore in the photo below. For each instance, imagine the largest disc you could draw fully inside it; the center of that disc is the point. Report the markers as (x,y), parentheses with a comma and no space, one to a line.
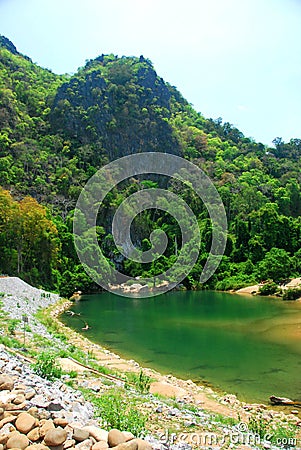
(40,415)
(294,283)
(59,417)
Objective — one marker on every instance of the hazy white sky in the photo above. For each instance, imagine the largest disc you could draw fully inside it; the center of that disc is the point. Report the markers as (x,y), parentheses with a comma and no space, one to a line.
(238,59)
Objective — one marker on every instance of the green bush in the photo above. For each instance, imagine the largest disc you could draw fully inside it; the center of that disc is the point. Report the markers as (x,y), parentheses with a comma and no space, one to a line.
(234,282)
(268,288)
(292,294)
(46,366)
(117,412)
(12,325)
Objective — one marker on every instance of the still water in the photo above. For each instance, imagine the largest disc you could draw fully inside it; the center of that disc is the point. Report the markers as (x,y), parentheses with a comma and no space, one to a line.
(249,346)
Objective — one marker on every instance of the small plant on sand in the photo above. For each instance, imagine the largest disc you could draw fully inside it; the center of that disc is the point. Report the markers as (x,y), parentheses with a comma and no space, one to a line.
(142,382)
(72,373)
(258,425)
(46,366)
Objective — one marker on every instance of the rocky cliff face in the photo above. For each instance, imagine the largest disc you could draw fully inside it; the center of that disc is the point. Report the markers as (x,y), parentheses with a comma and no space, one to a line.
(121,105)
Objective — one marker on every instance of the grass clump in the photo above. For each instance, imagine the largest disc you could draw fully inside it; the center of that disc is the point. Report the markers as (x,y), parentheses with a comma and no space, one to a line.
(116,411)
(46,366)
(277,433)
(10,342)
(142,382)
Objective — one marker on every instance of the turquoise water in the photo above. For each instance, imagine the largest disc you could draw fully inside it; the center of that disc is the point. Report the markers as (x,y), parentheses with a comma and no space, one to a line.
(242,345)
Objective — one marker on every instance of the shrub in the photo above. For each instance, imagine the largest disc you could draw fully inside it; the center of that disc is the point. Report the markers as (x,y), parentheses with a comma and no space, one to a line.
(292,294)
(46,366)
(268,288)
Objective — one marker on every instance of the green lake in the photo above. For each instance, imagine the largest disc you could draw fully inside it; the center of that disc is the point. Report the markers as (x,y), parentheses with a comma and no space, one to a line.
(249,346)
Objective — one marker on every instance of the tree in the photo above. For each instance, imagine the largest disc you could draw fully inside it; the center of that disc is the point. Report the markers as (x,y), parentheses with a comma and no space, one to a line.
(276,265)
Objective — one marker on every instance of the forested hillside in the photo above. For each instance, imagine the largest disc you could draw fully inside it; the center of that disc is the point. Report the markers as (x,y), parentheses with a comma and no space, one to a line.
(57,131)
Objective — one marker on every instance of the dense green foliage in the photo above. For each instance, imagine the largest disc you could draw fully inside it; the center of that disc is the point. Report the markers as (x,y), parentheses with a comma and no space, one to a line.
(56,131)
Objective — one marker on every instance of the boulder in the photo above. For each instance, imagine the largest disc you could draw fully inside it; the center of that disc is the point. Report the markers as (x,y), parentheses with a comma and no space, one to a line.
(14,407)
(8,428)
(60,421)
(130,445)
(21,386)
(97,433)
(45,425)
(25,422)
(56,436)
(33,411)
(7,419)
(69,443)
(19,399)
(30,394)
(55,406)
(34,434)
(17,440)
(3,438)
(6,383)
(39,401)
(115,437)
(143,445)
(84,445)
(80,435)
(101,445)
(37,447)
(128,435)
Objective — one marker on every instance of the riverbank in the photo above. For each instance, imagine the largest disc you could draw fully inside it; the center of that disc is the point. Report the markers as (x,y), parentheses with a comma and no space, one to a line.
(294,283)
(171,404)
